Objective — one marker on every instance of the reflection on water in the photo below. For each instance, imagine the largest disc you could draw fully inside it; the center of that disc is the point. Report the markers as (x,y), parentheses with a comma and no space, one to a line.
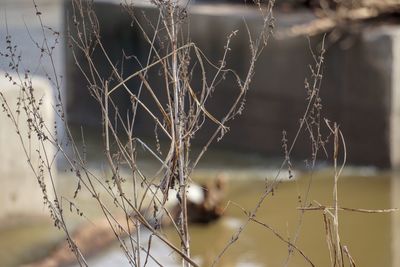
(372,239)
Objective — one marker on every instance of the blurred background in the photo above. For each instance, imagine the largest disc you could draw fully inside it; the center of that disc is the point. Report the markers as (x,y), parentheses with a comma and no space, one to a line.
(360,90)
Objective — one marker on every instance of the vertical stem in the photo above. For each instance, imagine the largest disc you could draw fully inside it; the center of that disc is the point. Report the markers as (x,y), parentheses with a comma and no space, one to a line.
(135,199)
(179,124)
(107,136)
(335,198)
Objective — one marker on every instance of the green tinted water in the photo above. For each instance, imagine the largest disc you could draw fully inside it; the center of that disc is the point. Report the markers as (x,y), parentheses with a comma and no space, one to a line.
(371,238)
(368,236)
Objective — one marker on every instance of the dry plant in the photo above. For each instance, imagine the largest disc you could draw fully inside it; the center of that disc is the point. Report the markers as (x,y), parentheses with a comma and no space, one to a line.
(337,251)
(321,133)
(178,112)
(310,122)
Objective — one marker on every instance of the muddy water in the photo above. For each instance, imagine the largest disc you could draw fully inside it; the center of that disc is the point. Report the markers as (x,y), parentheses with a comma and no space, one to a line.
(370,238)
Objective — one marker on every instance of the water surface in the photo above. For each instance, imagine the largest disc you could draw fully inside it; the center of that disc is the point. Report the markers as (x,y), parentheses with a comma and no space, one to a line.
(369,237)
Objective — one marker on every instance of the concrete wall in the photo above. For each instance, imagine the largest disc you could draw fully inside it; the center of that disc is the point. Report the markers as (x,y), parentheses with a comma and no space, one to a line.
(20,191)
(395,99)
(357,90)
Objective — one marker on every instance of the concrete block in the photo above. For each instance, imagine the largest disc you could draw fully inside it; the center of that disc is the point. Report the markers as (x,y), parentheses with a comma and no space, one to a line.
(395,101)
(20,192)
